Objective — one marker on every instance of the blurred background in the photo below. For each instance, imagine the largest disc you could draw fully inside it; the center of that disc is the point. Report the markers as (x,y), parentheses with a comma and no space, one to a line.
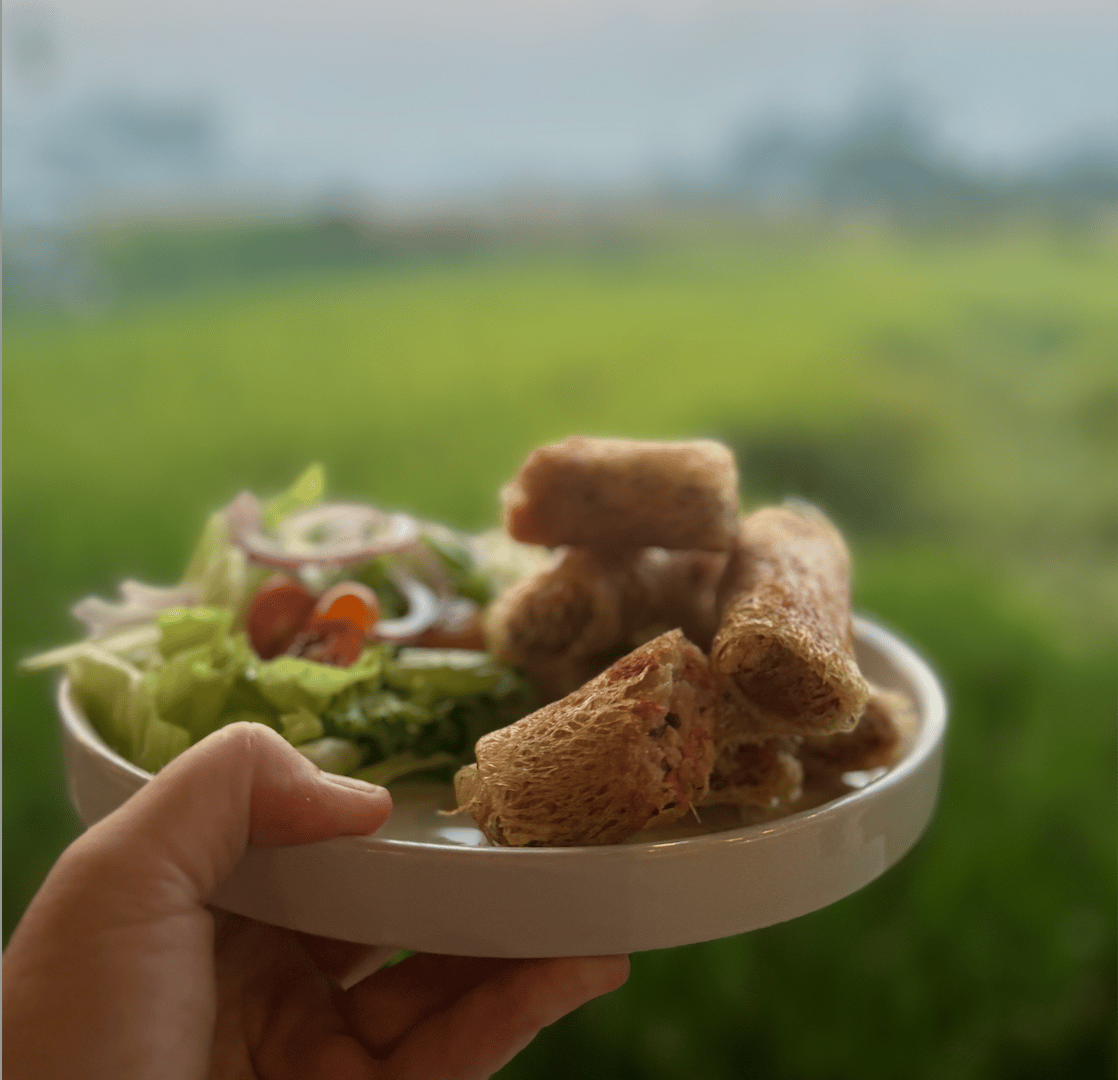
(870,245)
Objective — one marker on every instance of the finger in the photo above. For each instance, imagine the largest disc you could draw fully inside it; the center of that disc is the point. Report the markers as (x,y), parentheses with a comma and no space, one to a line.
(494,1021)
(333,957)
(243,784)
(459,1017)
(276,1015)
(384,1007)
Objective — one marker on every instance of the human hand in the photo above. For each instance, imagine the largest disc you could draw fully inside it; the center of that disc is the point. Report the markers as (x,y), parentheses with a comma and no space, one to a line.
(118,968)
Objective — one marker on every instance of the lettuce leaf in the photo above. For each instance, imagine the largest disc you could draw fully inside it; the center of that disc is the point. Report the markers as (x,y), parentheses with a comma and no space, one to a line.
(361,713)
(306,491)
(163,742)
(427,674)
(191,691)
(459,564)
(193,687)
(301,726)
(188,628)
(103,686)
(218,570)
(376,574)
(291,683)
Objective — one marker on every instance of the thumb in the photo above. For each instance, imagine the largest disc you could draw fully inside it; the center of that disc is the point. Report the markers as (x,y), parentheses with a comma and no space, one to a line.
(244,784)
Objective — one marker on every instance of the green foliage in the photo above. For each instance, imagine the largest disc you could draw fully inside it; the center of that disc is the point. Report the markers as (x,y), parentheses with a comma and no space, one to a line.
(950,400)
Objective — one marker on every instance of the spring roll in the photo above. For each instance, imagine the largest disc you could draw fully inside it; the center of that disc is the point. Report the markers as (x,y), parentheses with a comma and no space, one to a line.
(677,589)
(570,621)
(630,749)
(559,625)
(875,741)
(785,641)
(618,494)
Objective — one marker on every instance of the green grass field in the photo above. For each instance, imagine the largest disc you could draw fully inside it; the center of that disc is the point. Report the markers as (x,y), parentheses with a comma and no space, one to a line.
(952,402)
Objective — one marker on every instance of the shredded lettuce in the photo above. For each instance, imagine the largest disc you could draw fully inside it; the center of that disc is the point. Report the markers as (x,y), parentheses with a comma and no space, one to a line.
(162,742)
(104,686)
(426,674)
(188,628)
(301,726)
(305,492)
(191,689)
(292,682)
(132,644)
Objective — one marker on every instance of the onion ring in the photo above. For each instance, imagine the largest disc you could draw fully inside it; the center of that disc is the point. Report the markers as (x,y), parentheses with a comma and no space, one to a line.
(352,534)
(424,609)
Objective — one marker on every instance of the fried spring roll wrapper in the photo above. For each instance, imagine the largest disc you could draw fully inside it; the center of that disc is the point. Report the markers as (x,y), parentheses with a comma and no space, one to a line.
(618,494)
(567,623)
(876,740)
(558,624)
(678,589)
(785,641)
(631,748)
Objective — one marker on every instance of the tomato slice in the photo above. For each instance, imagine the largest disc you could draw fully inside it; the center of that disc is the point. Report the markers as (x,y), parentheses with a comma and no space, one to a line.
(278,612)
(350,602)
(329,641)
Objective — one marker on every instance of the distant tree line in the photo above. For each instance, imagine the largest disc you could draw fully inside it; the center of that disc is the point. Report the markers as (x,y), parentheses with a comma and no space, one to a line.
(886,156)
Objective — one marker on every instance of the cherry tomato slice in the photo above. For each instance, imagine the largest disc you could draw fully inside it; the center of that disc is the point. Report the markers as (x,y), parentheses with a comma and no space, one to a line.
(277,614)
(349,602)
(329,641)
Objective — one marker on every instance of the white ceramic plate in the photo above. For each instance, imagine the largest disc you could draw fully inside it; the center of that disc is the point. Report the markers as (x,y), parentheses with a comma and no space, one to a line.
(432,883)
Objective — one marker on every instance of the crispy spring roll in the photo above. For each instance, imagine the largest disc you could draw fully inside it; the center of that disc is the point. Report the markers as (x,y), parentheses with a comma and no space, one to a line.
(678,589)
(785,640)
(631,748)
(618,494)
(560,625)
(876,740)
(568,622)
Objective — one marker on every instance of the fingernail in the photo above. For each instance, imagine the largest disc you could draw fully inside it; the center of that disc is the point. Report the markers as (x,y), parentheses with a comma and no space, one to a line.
(354,784)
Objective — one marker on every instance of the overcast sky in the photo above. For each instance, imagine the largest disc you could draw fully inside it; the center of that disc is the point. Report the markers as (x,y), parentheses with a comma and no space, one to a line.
(435,96)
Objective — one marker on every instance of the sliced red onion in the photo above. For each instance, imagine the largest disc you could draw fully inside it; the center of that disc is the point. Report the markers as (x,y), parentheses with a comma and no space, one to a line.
(350,534)
(244,515)
(429,566)
(457,612)
(424,609)
(140,603)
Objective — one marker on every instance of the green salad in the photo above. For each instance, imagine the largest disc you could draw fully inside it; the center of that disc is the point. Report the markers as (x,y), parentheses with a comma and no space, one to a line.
(354,633)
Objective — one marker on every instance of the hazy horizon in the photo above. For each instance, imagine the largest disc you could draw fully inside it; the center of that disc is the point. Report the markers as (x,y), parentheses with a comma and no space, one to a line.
(443,99)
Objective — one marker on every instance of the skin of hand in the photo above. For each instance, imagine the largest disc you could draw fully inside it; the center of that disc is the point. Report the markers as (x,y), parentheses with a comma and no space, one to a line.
(119,970)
